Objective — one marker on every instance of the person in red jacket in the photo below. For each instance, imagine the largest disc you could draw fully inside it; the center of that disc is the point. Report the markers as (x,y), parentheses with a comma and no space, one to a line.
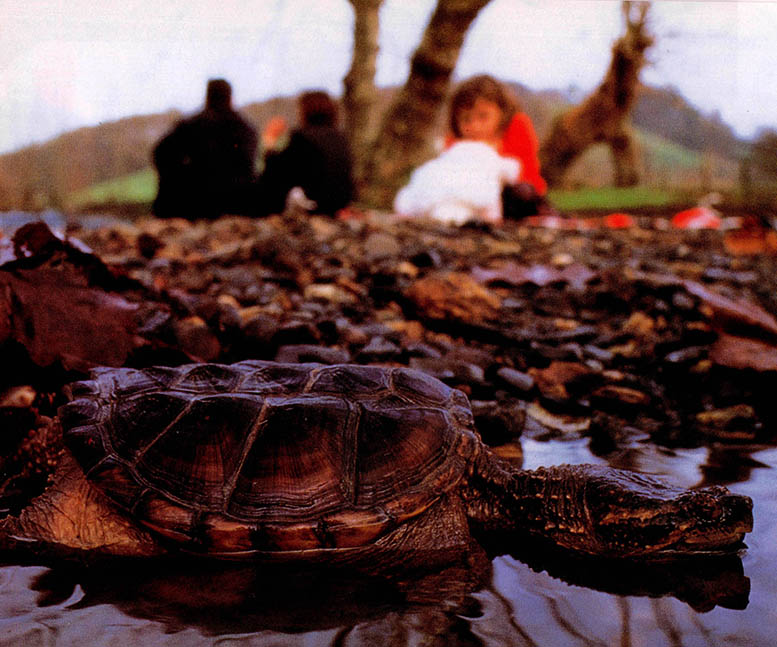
(483,109)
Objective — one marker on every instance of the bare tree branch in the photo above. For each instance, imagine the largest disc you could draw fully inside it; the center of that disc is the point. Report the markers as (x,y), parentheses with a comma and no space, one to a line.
(359,96)
(403,138)
(603,116)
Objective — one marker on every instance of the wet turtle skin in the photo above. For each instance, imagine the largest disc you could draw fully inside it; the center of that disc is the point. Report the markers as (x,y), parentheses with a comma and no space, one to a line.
(258,457)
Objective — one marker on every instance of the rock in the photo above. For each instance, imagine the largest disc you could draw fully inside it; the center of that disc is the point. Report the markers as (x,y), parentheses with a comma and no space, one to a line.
(449,371)
(453,295)
(562,260)
(381,245)
(519,380)
(329,292)
(557,422)
(640,325)
(686,355)
(148,245)
(742,352)
(511,452)
(427,258)
(18,397)
(726,418)
(300,353)
(196,339)
(296,331)
(379,349)
(498,423)
(622,397)
(419,349)
(731,314)
(561,380)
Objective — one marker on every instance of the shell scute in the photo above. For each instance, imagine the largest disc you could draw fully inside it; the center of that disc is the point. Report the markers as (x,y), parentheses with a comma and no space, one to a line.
(344,380)
(88,445)
(196,457)
(79,412)
(268,377)
(296,462)
(399,450)
(117,482)
(413,384)
(137,421)
(202,378)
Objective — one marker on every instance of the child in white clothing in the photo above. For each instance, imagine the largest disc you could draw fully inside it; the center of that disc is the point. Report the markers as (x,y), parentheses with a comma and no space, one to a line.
(464,183)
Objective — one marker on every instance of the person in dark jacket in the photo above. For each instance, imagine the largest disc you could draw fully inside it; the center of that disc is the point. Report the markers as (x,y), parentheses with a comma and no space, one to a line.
(317,159)
(206,163)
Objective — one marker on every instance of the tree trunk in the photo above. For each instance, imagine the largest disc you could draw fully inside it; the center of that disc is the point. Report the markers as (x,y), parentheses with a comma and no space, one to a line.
(603,116)
(359,95)
(403,139)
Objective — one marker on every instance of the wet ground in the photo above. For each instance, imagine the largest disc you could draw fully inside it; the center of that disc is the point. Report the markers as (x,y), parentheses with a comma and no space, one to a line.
(645,349)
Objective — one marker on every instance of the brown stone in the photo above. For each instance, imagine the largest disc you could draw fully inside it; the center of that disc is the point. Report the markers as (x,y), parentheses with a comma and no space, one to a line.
(555,381)
(196,339)
(454,295)
(743,352)
(724,418)
(622,394)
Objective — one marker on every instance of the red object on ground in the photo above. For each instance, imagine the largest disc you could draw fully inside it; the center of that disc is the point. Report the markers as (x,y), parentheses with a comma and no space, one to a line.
(696,218)
(618,220)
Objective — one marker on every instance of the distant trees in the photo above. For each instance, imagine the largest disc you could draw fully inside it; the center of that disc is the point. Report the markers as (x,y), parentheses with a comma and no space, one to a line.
(758,171)
(763,157)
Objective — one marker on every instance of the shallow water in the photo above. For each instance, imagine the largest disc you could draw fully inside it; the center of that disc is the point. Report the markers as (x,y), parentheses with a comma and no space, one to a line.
(729,601)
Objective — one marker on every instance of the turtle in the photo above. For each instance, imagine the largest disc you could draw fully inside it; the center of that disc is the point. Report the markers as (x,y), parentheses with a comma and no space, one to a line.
(372,466)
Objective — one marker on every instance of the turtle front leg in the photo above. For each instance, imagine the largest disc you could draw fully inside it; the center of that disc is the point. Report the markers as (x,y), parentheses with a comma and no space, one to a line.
(72,516)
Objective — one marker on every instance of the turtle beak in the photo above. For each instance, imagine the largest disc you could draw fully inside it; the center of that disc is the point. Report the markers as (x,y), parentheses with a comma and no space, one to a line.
(707,521)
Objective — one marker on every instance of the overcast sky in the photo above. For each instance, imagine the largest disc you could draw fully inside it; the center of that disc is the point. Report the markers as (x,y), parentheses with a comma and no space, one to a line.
(70,63)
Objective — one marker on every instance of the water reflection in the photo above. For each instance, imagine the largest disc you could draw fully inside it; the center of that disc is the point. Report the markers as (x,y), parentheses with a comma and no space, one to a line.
(528,594)
(220,599)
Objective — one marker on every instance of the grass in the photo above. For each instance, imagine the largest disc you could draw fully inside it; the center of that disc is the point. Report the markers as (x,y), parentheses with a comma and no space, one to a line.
(612,198)
(136,188)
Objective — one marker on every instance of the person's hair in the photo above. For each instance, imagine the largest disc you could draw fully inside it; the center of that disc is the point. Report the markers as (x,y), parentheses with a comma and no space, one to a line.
(218,95)
(486,87)
(317,109)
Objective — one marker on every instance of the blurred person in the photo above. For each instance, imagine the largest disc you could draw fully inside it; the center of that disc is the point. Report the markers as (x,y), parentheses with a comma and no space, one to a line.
(205,163)
(483,109)
(316,162)
(463,184)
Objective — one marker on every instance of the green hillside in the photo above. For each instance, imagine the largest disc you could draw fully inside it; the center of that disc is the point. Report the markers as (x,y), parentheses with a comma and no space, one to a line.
(137,188)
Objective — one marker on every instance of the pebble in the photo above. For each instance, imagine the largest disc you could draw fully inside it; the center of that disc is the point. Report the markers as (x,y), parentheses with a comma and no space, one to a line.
(521,381)
(498,423)
(300,353)
(195,338)
(18,397)
(378,349)
(380,245)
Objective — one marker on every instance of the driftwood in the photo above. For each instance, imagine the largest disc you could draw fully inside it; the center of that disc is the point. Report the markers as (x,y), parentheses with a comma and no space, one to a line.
(603,116)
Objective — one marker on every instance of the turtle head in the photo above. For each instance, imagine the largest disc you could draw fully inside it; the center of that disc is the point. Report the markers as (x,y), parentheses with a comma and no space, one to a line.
(609,512)
(635,515)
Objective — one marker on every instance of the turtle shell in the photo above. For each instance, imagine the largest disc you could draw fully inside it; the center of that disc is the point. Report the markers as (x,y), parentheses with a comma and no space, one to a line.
(261,457)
